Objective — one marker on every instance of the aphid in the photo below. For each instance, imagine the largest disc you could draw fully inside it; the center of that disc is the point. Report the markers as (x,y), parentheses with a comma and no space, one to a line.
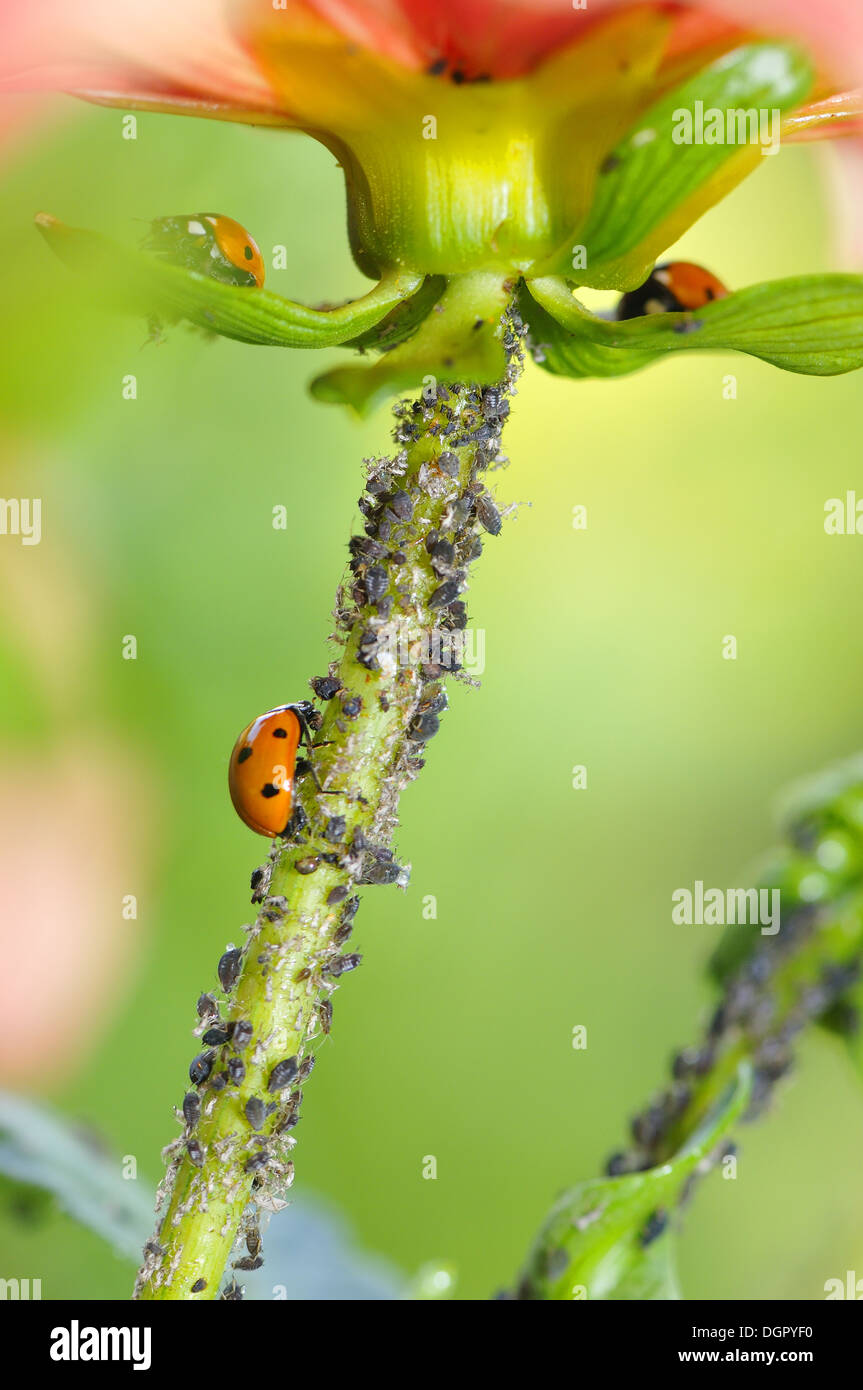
(340,965)
(198,1286)
(191,1109)
(253,1241)
(233,1293)
(195,1152)
(423,727)
(325,687)
(376,582)
(255,1112)
(336,896)
(672,287)
(488,515)
(237,1070)
(306,1068)
(653,1227)
(283,1074)
(257,1161)
(206,1006)
(335,829)
(210,244)
(200,1068)
(228,969)
(219,1081)
(263,764)
(214,1037)
(444,594)
(242,1034)
(248,1262)
(325,1014)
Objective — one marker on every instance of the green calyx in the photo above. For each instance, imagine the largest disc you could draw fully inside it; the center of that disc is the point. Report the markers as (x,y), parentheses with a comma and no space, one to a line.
(523,192)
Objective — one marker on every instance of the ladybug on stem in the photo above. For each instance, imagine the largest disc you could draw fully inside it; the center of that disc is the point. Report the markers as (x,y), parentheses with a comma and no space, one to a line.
(264,765)
(671,288)
(210,244)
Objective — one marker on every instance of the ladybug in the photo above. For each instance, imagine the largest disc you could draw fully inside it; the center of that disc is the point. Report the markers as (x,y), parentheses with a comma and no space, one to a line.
(264,764)
(671,288)
(210,244)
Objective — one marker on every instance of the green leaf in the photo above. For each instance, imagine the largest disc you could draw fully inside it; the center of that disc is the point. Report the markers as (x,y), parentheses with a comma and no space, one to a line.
(45,1151)
(135,282)
(651,188)
(811,324)
(460,339)
(597,1242)
(403,321)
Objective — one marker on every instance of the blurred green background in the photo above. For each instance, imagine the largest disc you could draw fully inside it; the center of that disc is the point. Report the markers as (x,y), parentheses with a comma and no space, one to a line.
(603,647)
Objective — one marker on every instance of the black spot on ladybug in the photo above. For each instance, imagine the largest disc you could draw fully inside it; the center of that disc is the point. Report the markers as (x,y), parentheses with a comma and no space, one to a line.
(248,253)
(280,733)
(243,754)
(436,68)
(268,790)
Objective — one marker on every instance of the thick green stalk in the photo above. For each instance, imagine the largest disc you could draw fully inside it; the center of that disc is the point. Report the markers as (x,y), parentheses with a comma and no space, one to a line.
(399,614)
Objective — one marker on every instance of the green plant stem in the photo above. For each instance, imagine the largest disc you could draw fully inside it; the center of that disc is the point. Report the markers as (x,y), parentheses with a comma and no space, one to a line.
(426,509)
(787,982)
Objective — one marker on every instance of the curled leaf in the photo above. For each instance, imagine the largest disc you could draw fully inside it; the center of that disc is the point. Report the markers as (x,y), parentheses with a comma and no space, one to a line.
(136,282)
(657,182)
(812,324)
(605,1239)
